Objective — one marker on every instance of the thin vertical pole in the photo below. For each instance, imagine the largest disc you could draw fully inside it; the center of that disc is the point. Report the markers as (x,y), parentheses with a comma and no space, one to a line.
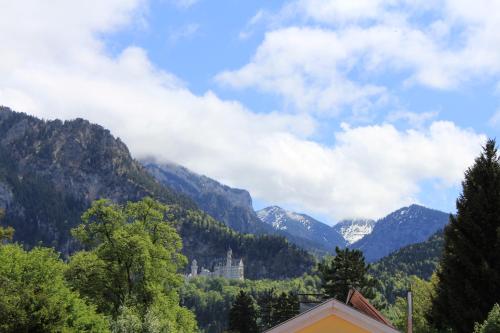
(410,313)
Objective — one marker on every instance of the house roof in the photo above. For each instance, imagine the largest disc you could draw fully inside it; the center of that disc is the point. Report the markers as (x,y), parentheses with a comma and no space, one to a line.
(360,303)
(360,312)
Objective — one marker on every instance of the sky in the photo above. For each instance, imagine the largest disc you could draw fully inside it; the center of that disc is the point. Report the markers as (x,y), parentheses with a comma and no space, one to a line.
(335,108)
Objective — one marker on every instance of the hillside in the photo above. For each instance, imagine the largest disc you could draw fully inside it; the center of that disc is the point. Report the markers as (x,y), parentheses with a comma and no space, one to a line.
(419,259)
(403,227)
(50,172)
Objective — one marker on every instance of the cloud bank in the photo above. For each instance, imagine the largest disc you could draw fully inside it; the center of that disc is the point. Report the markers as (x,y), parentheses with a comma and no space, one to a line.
(55,65)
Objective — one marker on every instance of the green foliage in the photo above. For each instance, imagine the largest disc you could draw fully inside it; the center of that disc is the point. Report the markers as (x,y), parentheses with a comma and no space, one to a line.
(211,298)
(469,271)
(287,260)
(243,314)
(130,267)
(346,270)
(396,270)
(6,234)
(492,323)
(34,297)
(285,306)
(422,294)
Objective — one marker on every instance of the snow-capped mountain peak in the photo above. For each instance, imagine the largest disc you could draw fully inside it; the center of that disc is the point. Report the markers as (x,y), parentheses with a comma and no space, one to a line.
(303,226)
(354,230)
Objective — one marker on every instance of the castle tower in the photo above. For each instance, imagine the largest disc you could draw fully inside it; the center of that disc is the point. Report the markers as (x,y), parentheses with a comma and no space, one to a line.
(241,270)
(194,268)
(229,258)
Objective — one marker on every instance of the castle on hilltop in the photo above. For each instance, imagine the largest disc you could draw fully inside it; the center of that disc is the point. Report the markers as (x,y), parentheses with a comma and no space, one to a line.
(229,268)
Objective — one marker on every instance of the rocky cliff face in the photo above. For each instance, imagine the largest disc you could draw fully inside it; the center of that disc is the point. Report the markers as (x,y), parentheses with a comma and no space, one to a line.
(231,206)
(50,172)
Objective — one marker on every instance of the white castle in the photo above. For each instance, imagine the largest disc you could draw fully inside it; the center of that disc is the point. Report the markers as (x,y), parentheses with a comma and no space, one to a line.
(229,268)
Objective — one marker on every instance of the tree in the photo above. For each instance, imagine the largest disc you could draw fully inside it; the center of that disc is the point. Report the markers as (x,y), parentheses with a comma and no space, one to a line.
(243,315)
(346,270)
(422,293)
(129,269)
(469,274)
(285,306)
(265,302)
(7,233)
(34,297)
(492,323)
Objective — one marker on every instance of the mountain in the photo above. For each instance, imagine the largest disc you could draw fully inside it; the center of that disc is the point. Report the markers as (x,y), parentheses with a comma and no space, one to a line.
(420,259)
(403,227)
(354,230)
(231,206)
(303,226)
(51,171)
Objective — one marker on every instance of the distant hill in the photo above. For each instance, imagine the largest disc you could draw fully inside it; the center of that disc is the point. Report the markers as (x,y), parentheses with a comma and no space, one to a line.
(302,225)
(50,172)
(408,225)
(420,259)
(354,230)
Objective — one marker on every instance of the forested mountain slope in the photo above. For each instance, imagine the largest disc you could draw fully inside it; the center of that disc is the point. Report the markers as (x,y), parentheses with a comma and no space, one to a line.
(50,172)
(229,205)
(419,259)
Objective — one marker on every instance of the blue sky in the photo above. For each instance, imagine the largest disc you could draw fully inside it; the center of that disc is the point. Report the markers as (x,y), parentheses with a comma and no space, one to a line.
(334,108)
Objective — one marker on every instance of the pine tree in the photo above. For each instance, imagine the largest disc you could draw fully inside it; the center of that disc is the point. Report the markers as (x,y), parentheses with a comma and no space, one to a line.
(280,309)
(346,270)
(469,275)
(243,315)
(293,305)
(266,307)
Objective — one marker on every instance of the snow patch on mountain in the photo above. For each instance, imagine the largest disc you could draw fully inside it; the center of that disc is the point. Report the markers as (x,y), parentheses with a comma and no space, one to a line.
(354,230)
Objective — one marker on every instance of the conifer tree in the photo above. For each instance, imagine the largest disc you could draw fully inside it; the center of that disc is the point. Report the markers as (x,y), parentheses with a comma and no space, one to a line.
(243,315)
(469,275)
(266,307)
(492,323)
(280,309)
(346,270)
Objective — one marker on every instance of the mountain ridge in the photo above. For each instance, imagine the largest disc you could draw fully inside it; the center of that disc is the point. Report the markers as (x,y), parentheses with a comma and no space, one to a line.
(405,226)
(50,172)
(302,225)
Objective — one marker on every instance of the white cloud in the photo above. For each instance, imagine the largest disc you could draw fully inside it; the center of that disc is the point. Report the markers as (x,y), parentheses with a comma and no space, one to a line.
(328,55)
(55,65)
(305,65)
